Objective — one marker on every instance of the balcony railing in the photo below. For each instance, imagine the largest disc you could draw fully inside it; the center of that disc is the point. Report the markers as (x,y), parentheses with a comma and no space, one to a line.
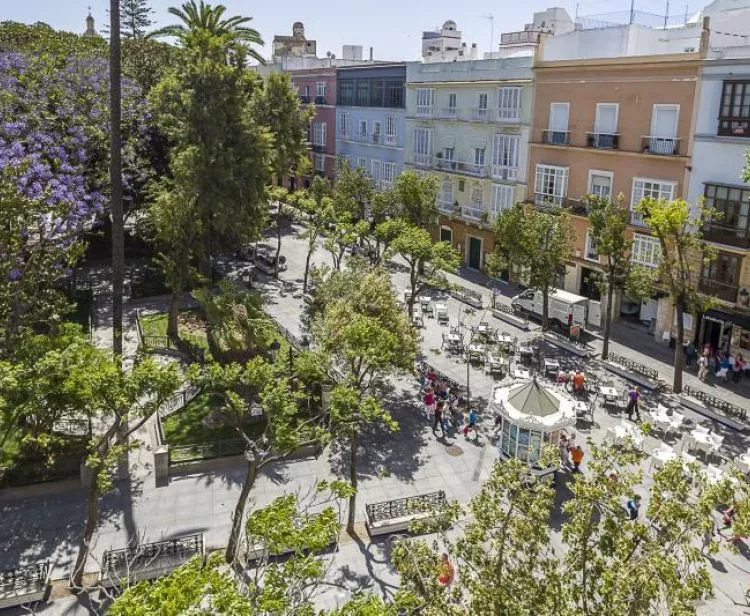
(724,291)
(446,207)
(734,127)
(555,137)
(636,219)
(445,164)
(508,114)
(603,141)
(424,111)
(423,160)
(376,138)
(479,170)
(726,234)
(448,113)
(544,200)
(304,99)
(476,212)
(664,146)
(480,114)
(578,207)
(320,100)
(318,148)
(503,172)
(390,140)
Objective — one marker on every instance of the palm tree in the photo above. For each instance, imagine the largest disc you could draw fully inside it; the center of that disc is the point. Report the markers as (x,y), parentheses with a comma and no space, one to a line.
(202,16)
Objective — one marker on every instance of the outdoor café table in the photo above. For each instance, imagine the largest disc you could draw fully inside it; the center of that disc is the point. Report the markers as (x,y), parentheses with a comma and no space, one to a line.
(495,363)
(551,365)
(476,351)
(705,441)
(453,337)
(581,407)
(504,339)
(610,393)
(520,373)
(441,312)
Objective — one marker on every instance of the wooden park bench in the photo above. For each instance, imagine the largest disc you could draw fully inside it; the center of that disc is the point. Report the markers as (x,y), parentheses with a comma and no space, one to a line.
(24,585)
(396,515)
(148,561)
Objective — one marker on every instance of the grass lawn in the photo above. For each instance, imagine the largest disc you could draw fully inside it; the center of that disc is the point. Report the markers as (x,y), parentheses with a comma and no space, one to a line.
(191,326)
(11,448)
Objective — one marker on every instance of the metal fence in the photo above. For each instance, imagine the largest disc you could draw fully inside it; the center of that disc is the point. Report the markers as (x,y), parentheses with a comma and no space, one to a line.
(178,401)
(401,507)
(633,366)
(715,403)
(206,451)
(116,563)
(20,579)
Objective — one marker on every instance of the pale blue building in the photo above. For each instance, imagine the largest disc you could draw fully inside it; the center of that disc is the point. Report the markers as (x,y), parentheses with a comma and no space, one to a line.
(371,119)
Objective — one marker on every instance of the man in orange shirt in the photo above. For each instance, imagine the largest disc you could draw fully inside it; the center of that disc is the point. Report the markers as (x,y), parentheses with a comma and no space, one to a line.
(576,455)
(579,379)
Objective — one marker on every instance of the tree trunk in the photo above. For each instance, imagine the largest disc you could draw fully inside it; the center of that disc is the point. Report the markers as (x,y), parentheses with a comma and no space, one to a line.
(278,243)
(307,266)
(353,480)
(115,176)
(239,510)
(92,519)
(205,261)
(174,312)
(678,349)
(545,309)
(608,318)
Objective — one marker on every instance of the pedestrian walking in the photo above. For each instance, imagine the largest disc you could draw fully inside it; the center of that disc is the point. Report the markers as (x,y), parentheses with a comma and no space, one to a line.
(576,456)
(737,368)
(634,393)
(633,506)
(472,422)
(703,367)
(438,418)
(446,571)
(690,353)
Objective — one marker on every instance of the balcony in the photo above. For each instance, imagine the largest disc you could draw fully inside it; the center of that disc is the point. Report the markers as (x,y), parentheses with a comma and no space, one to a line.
(446,207)
(663,146)
(320,100)
(376,138)
(636,219)
(503,172)
(318,148)
(304,99)
(603,141)
(475,212)
(390,140)
(448,113)
(734,127)
(424,111)
(578,207)
(480,114)
(725,291)
(726,234)
(509,114)
(546,201)
(423,160)
(445,164)
(555,137)
(475,169)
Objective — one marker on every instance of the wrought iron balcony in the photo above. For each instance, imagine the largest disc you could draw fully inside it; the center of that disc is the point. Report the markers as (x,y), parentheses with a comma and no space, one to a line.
(320,100)
(725,291)
(476,169)
(555,137)
(603,141)
(445,164)
(578,207)
(376,138)
(318,148)
(726,234)
(389,139)
(446,207)
(636,219)
(477,212)
(664,146)
(304,99)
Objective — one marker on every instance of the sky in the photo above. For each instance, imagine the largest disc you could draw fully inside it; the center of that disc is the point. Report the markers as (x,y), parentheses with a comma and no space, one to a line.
(392,27)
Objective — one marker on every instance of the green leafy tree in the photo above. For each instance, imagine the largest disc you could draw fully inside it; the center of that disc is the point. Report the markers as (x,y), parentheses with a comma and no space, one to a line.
(680,235)
(204,108)
(316,210)
(539,242)
(115,174)
(432,260)
(416,197)
(209,19)
(361,327)
(353,191)
(136,18)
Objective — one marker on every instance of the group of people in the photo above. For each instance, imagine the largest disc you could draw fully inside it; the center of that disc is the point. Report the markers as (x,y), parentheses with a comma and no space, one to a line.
(722,363)
(442,405)
(576,379)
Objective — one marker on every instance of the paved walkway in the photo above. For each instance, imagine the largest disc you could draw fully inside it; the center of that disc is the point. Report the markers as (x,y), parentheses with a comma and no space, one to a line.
(410,461)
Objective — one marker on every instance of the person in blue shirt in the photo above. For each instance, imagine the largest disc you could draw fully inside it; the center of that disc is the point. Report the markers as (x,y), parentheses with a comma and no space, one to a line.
(633,506)
(472,422)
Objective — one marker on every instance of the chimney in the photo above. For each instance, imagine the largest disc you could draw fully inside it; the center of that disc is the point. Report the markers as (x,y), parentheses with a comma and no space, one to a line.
(370,54)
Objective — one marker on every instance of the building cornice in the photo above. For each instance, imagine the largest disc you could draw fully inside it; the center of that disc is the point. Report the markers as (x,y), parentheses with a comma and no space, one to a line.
(510,81)
(683,60)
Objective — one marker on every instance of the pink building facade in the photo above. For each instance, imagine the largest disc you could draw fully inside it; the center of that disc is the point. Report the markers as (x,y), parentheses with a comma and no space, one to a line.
(318,86)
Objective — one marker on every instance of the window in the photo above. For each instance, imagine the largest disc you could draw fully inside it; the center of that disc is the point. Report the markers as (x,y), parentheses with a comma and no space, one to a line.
(422,146)
(734,114)
(606,118)
(645,250)
(509,103)
(505,156)
(647,187)
(557,131)
(449,154)
(363,93)
(388,172)
(424,101)
(475,209)
(502,198)
(363,128)
(362,163)
(551,184)
(452,101)
(376,137)
(390,130)
(663,138)
(445,199)
(446,234)
(461,185)
(320,162)
(321,88)
(306,91)
(394,93)
(344,121)
(376,172)
(319,134)
(724,268)
(733,206)
(346,92)
(483,101)
(479,156)
(600,183)
(591,253)
(344,160)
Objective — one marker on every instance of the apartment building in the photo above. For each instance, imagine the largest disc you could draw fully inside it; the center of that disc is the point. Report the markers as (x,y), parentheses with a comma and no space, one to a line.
(318,86)
(371,119)
(468,123)
(722,137)
(613,116)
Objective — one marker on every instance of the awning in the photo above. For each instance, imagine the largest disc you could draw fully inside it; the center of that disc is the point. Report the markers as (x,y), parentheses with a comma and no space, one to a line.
(743,320)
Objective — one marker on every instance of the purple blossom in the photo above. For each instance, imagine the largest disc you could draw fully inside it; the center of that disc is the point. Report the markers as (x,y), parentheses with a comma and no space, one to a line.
(15,274)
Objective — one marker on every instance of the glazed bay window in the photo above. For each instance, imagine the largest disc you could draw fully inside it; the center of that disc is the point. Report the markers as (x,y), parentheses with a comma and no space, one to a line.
(509,104)
(645,250)
(321,89)
(445,199)
(502,198)
(422,147)
(424,101)
(734,112)
(505,156)
(720,277)
(344,123)
(390,130)
(732,224)
(551,185)
(362,163)
(320,131)
(644,188)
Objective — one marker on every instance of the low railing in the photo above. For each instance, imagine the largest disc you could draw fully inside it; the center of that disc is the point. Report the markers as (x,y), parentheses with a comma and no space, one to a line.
(715,403)
(446,207)
(722,290)
(633,366)
(445,164)
(603,141)
(424,368)
(726,234)
(502,172)
(422,160)
(476,169)
(389,139)
(664,146)
(401,507)
(376,138)
(522,37)
(636,219)
(424,111)
(321,100)
(480,114)
(447,113)
(555,137)
(734,127)
(24,578)
(305,100)
(474,213)
(578,207)
(317,148)
(178,400)
(549,201)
